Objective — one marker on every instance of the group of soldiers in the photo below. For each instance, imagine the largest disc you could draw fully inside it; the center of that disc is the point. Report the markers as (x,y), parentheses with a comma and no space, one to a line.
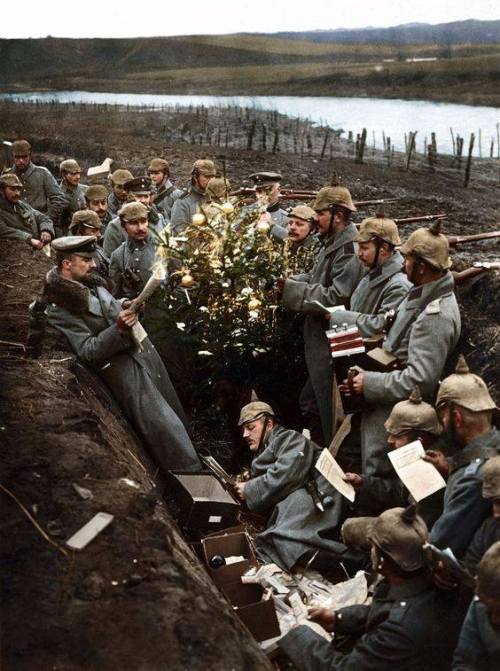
(362,277)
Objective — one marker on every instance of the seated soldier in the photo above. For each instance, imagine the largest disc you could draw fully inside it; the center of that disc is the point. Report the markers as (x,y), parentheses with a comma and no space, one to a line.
(284,482)
(87,222)
(403,626)
(465,408)
(18,220)
(489,531)
(100,333)
(166,193)
(478,647)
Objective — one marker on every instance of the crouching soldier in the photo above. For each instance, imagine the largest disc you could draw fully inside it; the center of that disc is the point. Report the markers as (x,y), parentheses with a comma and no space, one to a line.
(284,481)
(100,333)
(403,626)
(18,220)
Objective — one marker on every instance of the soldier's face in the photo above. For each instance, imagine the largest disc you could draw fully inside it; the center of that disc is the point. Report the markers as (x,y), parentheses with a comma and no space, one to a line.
(137,229)
(79,266)
(156,176)
(324,221)
(88,230)
(203,180)
(72,178)
(400,440)
(100,207)
(22,161)
(12,193)
(119,191)
(252,432)
(144,198)
(367,252)
(271,193)
(298,229)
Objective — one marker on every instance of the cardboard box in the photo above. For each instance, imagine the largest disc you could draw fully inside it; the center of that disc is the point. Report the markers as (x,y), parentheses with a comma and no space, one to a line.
(258,615)
(228,545)
(204,504)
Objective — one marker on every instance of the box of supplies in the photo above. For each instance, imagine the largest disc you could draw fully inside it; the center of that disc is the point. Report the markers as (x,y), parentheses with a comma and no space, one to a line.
(255,609)
(228,557)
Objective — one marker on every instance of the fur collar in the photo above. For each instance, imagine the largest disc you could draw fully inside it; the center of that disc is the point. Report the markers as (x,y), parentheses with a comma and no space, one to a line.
(68,294)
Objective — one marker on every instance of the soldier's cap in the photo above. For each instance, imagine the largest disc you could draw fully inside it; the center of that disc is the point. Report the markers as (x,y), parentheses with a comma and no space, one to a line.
(21,148)
(356,531)
(10,179)
(86,218)
(69,165)
(139,186)
(333,196)
(465,389)
(96,192)
(263,179)
(430,245)
(378,227)
(254,410)
(81,245)
(132,211)
(159,165)
(120,176)
(401,534)
(488,574)
(491,478)
(303,212)
(204,167)
(413,415)
(218,187)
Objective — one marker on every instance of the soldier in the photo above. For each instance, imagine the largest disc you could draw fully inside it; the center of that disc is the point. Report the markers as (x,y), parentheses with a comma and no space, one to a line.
(335,274)
(138,189)
(99,332)
(166,192)
(282,475)
(118,195)
(384,286)
(18,220)
(425,332)
(478,647)
(191,200)
(87,223)
(465,408)
(489,531)
(267,188)
(302,243)
(73,191)
(403,626)
(217,192)
(131,263)
(40,188)
(96,198)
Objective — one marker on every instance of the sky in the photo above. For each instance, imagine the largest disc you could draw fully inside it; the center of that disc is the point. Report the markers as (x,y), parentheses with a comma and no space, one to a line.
(97,18)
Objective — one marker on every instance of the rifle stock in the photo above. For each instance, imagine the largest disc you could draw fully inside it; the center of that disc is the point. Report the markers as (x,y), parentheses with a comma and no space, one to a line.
(455,240)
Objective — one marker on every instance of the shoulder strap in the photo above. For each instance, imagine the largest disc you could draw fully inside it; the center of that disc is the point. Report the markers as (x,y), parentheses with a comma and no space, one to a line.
(163,194)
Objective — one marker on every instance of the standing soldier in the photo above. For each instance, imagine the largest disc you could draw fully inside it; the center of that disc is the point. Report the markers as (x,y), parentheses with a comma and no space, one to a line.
(18,220)
(166,192)
(40,188)
(332,280)
(267,188)
(118,195)
(96,198)
(73,191)
(301,244)
(87,223)
(189,203)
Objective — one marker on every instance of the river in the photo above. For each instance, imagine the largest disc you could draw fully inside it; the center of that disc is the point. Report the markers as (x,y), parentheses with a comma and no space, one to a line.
(377,115)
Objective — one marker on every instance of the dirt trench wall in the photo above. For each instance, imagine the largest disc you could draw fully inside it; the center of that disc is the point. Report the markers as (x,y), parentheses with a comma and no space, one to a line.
(136,597)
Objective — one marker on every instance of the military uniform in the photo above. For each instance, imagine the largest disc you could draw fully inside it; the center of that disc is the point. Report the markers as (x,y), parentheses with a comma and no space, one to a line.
(279,474)
(41,191)
(74,200)
(114,204)
(138,380)
(487,534)
(464,506)
(130,268)
(22,222)
(115,234)
(332,281)
(185,206)
(478,647)
(165,198)
(401,629)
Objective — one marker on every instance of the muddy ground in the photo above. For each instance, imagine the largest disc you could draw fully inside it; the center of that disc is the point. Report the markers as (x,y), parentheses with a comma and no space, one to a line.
(137,598)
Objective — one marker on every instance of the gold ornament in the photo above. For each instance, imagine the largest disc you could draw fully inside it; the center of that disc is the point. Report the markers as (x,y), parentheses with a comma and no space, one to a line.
(227,207)
(198,219)
(262,227)
(187,281)
(254,303)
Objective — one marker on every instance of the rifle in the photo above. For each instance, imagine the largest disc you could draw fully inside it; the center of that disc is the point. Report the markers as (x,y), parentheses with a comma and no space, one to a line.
(455,240)
(423,217)
(293,194)
(451,564)
(479,268)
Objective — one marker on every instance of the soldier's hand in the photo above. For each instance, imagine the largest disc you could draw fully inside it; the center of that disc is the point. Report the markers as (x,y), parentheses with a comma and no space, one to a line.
(439,461)
(442,578)
(36,244)
(45,237)
(126,319)
(354,479)
(324,617)
(239,488)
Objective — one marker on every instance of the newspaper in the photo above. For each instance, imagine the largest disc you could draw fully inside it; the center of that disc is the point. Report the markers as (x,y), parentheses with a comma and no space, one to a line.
(331,471)
(418,476)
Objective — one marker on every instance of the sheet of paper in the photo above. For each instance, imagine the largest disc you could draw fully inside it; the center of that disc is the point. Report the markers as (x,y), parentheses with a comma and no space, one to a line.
(418,476)
(332,472)
(323,308)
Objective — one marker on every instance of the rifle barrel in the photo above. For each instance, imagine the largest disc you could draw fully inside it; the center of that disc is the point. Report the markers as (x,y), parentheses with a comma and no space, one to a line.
(424,217)
(462,239)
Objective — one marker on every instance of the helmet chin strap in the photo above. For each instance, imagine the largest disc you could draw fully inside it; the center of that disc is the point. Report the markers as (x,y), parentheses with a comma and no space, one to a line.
(262,434)
(378,245)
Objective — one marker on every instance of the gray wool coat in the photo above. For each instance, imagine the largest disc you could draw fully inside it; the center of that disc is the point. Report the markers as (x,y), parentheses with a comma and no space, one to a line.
(478,647)
(115,233)
(335,275)
(138,380)
(380,290)
(423,335)
(165,198)
(131,256)
(184,207)
(22,222)
(41,191)
(278,475)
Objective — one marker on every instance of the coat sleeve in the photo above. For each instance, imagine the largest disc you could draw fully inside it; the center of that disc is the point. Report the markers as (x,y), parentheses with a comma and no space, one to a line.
(44,223)
(92,350)
(470,648)
(10,233)
(179,217)
(113,237)
(287,473)
(431,340)
(55,197)
(476,549)
(115,275)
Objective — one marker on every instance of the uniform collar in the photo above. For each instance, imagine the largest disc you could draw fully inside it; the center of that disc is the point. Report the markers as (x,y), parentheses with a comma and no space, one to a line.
(443,285)
(27,172)
(390,267)
(406,590)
